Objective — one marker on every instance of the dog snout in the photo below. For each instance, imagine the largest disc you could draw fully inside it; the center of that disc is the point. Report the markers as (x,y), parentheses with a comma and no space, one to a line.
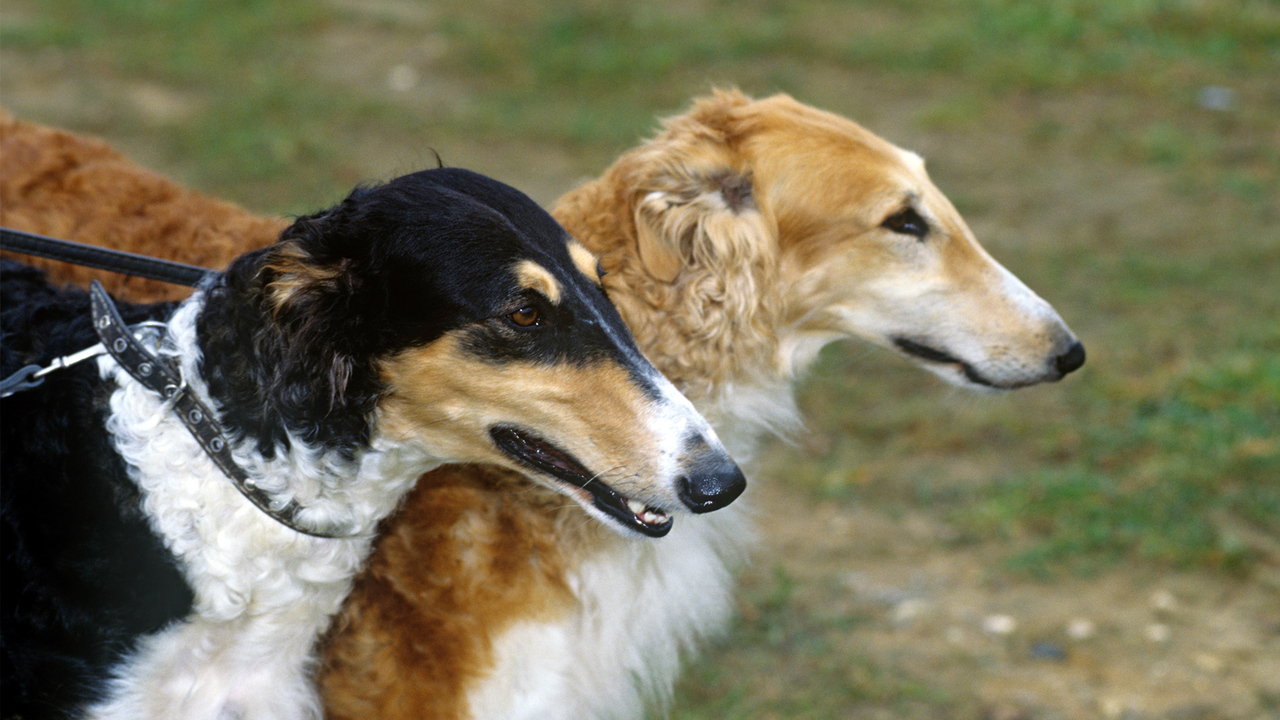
(711,482)
(1071,360)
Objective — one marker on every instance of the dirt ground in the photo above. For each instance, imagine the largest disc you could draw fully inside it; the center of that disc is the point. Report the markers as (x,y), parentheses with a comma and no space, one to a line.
(1130,643)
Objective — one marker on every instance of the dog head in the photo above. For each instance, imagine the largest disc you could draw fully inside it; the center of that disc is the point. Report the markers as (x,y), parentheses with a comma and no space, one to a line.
(792,227)
(447,315)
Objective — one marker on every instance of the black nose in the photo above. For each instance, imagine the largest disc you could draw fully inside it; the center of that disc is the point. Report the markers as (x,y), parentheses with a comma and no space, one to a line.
(1071,360)
(713,485)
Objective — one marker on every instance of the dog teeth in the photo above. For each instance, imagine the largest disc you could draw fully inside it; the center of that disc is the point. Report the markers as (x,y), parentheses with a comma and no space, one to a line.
(646,514)
(653,518)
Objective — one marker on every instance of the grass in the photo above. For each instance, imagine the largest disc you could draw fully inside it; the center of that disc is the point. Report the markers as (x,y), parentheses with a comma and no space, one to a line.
(583,73)
(1160,482)
(1159,462)
(1075,136)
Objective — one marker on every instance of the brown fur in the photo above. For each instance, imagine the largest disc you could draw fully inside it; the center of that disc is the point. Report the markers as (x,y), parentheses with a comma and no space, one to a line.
(76,188)
(734,244)
(486,549)
(439,385)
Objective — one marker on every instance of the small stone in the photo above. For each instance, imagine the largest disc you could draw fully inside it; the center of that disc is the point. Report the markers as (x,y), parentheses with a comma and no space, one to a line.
(1216,98)
(1046,650)
(908,610)
(999,624)
(1163,601)
(1006,711)
(1159,633)
(1209,663)
(1081,629)
(402,78)
(1111,707)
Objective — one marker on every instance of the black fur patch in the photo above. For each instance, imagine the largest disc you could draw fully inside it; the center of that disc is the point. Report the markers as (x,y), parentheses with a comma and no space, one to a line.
(392,267)
(69,608)
(736,189)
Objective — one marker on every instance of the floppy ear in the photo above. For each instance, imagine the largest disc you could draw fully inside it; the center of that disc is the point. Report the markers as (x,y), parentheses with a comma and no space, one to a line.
(706,218)
(323,320)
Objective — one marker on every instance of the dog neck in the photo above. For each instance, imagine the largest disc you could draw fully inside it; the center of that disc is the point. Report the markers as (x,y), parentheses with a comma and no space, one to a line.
(351,486)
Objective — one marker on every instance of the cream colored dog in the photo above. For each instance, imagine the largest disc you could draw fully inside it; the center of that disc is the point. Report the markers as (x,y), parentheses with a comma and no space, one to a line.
(736,244)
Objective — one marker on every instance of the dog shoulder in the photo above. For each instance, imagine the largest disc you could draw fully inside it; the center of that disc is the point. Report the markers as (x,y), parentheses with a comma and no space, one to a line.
(70,609)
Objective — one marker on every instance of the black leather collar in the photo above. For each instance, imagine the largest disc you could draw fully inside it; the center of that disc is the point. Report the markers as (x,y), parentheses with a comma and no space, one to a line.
(160,375)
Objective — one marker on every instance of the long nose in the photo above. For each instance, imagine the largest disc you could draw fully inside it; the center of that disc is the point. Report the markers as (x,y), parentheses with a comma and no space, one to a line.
(711,480)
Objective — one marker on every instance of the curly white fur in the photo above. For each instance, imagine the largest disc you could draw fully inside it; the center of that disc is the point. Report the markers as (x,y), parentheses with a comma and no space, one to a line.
(263,592)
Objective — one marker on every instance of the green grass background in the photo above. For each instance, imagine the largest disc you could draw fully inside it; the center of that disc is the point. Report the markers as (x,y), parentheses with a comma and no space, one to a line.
(1121,156)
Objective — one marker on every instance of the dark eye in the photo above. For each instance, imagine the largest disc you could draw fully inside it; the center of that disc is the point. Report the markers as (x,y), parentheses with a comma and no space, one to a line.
(526,316)
(907,222)
(600,273)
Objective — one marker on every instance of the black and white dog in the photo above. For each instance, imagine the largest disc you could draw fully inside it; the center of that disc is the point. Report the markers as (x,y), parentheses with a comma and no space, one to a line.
(440,317)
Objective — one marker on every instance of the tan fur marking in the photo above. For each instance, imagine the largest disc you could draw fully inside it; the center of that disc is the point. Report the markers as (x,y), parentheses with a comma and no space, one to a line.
(535,277)
(442,392)
(294,270)
(586,261)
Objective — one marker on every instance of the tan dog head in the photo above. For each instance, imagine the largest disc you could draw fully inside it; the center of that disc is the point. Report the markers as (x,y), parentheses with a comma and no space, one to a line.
(787,227)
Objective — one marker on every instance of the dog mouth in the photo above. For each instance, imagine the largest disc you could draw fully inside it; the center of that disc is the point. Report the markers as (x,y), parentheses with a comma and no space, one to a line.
(539,454)
(933,355)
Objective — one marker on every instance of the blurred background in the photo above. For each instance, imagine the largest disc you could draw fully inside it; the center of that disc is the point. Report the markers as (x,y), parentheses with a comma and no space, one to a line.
(1107,547)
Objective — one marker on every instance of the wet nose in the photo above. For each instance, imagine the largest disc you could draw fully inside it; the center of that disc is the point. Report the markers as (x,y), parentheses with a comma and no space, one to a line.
(1071,360)
(713,484)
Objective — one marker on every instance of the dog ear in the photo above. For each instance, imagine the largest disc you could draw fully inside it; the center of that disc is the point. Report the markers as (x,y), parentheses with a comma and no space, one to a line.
(696,204)
(694,218)
(316,298)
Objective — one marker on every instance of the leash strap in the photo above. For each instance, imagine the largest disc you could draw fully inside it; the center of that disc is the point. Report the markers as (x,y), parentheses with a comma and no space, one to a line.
(31,376)
(160,376)
(117,261)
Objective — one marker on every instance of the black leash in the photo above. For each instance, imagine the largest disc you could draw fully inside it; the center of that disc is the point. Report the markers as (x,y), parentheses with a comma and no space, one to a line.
(117,261)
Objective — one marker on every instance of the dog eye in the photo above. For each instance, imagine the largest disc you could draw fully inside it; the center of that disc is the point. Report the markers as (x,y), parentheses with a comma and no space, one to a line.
(907,222)
(526,316)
